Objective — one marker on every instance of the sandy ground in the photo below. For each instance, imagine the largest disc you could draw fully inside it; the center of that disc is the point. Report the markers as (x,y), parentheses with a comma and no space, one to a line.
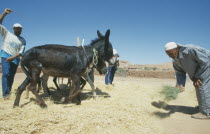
(120,109)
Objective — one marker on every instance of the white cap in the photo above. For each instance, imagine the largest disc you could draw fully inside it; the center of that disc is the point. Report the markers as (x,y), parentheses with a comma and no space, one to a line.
(115,53)
(17,25)
(170,45)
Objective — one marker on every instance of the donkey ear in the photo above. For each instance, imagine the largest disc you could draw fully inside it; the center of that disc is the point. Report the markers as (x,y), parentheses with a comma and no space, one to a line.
(108,46)
(107,33)
(99,34)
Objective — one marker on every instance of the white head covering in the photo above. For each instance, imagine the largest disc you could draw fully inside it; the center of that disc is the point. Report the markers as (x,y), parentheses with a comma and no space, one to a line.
(115,53)
(17,25)
(170,45)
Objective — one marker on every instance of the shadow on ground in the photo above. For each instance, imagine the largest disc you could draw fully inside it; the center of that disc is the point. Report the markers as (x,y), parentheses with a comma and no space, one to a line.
(57,95)
(172,109)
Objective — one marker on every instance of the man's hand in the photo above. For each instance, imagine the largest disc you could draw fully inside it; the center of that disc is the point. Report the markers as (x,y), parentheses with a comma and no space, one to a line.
(7,11)
(10,59)
(197,83)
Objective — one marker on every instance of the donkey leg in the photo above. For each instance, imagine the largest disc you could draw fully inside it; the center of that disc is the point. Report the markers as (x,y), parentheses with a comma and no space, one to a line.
(32,87)
(39,85)
(69,82)
(78,97)
(44,85)
(27,94)
(86,76)
(72,86)
(76,91)
(20,90)
(38,97)
(72,89)
(82,83)
(39,81)
(56,84)
(67,99)
(62,80)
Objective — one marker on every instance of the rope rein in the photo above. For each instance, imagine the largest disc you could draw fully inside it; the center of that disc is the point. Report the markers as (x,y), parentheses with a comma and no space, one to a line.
(95,56)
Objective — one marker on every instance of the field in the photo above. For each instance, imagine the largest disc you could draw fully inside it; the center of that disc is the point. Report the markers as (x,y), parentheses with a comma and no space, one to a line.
(124,108)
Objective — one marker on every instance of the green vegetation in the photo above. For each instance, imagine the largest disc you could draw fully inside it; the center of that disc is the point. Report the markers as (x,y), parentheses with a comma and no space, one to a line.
(169,92)
(121,72)
(154,68)
(165,69)
(146,68)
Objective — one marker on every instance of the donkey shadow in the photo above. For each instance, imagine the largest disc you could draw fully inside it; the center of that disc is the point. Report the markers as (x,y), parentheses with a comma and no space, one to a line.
(172,109)
(57,95)
(99,92)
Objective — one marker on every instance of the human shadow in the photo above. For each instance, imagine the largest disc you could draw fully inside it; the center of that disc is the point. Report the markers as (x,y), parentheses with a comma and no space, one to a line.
(172,109)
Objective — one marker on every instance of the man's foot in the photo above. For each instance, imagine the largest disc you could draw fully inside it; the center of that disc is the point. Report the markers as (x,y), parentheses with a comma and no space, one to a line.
(181,90)
(200,116)
(7,97)
(109,84)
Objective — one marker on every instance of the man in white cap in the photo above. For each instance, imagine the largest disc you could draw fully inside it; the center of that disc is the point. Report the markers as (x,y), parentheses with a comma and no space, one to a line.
(195,61)
(13,46)
(112,67)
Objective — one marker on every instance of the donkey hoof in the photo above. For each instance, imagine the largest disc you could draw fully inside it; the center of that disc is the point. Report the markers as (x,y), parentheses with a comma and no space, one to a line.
(43,106)
(78,103)
(15,106)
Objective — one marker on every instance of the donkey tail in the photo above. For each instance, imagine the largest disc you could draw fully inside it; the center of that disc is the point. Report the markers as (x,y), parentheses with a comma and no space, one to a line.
(23,67)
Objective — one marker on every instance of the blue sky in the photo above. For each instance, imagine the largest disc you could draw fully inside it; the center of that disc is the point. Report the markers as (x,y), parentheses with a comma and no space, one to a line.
(139,28)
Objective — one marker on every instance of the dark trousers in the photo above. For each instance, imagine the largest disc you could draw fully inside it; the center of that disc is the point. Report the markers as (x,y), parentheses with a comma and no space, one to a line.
(181,79)
(8,74)
(110,75)
(113,73)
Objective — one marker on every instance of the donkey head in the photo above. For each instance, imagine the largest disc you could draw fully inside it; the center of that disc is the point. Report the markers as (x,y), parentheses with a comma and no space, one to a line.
(104,49)
(101,66)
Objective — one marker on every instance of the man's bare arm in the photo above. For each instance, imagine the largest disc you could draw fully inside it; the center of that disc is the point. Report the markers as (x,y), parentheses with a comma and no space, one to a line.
(10,59)
(6,11)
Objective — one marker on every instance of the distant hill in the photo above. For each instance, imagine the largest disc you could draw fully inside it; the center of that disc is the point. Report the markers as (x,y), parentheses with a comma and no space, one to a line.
(164,70)
(162,66)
